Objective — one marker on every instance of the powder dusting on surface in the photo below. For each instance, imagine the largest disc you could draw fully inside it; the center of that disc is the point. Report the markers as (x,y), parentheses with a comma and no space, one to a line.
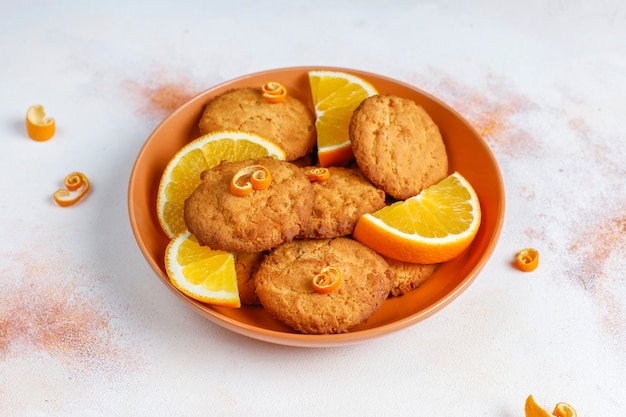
(160,94)
(47,307)
(492,111)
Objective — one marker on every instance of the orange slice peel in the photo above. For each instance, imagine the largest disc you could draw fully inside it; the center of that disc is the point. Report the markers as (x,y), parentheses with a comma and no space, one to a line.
(252,177)
(76,187)
(527,259)
(563,409)
(273,92)
(38,126)
(327,280)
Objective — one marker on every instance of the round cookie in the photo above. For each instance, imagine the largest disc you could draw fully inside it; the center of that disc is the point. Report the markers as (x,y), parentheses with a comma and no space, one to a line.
(290,124)
(408,276)
(253,223)
(397,145)
(284,284)
(340,201)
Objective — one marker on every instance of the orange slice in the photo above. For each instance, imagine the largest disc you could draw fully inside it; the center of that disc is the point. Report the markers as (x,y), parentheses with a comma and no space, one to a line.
(38,126)
(182,174)
(202,273)
(432,227)
(335,96)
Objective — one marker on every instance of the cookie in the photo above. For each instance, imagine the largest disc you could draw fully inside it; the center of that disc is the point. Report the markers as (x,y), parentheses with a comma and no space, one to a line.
(290,124)
(246,265)
(408,276)
(255,222)
(340,201)
(397,145)
(284,284)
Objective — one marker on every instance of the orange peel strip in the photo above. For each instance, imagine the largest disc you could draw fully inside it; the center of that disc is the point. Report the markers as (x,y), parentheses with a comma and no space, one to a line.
(273,92)
(563,409)
(327,280)
(318,173)
(76,187)
(38,126)
(259,179)
(527,259)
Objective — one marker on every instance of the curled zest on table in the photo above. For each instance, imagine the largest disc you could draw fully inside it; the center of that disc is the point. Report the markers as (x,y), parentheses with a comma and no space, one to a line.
(273,92)
(38,126)
(76,187)
(318,174)
(327,280)
(257,177)
(527,259)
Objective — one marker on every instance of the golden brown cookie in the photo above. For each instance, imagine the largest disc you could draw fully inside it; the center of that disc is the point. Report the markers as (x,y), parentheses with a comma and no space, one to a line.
(253,223)
(284,284)
(290,124)
(246,265)
(340,201)
(397,145)
(408,276)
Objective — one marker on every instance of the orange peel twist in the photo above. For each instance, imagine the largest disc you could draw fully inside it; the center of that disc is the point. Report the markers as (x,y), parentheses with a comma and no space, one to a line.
(273,92)
(259,178)
(327,280)
(527,259)
(318,174)
(76,187)
(38,126)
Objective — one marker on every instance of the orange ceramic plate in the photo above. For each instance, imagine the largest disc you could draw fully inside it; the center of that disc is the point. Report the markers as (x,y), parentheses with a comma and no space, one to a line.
(468,153)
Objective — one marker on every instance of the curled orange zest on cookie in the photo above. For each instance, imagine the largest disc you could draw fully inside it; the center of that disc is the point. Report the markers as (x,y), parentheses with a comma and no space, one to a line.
(273,92)
(256,177)
(527,259)
(76,187)
(318,174)
(327,280)
(38,126)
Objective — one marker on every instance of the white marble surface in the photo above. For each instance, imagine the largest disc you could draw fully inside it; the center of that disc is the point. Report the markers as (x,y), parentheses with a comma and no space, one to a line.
(86,329)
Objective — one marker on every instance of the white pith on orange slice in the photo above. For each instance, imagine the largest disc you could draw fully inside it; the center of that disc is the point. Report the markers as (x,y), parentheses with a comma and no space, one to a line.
(202,273)
(182,174)
(431,227)
(335,96)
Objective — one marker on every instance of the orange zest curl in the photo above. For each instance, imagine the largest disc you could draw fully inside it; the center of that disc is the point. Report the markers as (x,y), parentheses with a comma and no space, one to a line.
(273,92)
(256,177)
(564,410)
(327,280)
(38,126)
(76,187)
(527,259)
(318,174)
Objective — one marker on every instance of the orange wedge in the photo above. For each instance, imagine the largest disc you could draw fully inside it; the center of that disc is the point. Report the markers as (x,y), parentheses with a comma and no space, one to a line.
(38,126)
(335,96)
(564,410)
(182,174)
(202,273)
(431,227)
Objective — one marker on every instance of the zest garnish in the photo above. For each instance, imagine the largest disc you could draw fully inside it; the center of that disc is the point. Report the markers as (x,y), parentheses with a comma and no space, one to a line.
(273,92)
(327,280)
(76,187)
(38,126)
(527,259)
(318,173)
(257,177)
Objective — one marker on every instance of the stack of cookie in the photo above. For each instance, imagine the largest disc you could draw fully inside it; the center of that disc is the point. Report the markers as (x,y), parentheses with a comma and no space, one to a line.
(287,233)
